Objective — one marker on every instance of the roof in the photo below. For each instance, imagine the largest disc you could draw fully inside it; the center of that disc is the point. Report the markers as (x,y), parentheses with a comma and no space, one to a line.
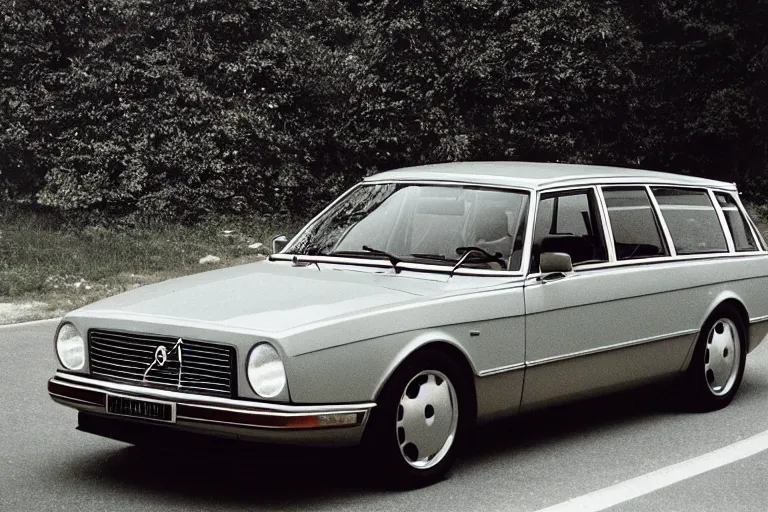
(539,175)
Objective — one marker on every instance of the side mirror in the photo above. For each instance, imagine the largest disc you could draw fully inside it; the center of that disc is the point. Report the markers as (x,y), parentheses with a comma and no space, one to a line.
(555,263)
(279,243)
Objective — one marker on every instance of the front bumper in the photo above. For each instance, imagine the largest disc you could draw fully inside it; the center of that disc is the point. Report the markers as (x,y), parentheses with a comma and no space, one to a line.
(312,425)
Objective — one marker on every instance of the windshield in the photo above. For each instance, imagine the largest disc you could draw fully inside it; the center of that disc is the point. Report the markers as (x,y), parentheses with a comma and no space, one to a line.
(421,223)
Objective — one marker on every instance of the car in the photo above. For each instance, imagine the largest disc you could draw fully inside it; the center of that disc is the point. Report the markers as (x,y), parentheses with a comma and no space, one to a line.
(427,300)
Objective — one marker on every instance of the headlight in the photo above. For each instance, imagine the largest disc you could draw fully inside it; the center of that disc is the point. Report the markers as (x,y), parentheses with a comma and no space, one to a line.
(70,347)
(266,373)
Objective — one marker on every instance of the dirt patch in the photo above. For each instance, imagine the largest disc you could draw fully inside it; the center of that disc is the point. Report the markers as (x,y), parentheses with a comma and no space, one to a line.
(11,312)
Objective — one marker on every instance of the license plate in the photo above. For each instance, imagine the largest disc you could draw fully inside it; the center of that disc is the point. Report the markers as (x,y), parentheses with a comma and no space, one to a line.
(142,408)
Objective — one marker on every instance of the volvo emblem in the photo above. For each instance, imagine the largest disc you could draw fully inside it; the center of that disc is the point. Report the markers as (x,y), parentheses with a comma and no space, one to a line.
(161,355)
(161,358)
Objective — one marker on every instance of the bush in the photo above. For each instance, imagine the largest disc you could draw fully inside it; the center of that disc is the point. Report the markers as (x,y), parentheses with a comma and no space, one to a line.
(181,109)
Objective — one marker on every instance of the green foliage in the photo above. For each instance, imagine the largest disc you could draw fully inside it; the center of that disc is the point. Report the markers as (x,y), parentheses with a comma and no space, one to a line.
(42,257)
(182,109)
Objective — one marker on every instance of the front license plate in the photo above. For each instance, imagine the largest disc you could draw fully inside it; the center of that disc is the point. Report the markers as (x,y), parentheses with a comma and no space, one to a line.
(143,408)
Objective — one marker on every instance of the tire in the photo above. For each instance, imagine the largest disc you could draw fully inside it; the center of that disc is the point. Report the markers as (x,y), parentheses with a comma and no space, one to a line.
(421,418)
(717,366)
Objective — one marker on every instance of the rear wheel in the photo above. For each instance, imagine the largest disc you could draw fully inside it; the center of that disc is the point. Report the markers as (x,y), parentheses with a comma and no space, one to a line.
(717,366)
(421,418)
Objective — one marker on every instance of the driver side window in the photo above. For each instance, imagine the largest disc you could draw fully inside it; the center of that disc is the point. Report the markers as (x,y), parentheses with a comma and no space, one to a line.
(569,222)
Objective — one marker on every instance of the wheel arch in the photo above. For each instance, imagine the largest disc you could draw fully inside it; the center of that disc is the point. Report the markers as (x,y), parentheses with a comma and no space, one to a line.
(729,299)
(442,343)
(724,298)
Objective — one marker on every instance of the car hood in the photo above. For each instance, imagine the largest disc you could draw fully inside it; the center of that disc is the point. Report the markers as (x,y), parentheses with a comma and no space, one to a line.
(272,296)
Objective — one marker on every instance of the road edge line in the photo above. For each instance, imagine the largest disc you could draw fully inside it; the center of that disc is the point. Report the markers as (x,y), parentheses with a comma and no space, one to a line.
(627,490)
(30,323)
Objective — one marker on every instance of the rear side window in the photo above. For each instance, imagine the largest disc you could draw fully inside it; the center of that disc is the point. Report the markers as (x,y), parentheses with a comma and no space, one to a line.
(636,230)
(742,236)
(691,219)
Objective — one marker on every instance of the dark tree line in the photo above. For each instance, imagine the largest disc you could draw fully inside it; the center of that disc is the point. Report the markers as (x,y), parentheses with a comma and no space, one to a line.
(176,109)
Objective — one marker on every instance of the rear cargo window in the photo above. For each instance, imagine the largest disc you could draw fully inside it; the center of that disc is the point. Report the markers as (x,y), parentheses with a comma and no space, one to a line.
(742,236)
(691,219)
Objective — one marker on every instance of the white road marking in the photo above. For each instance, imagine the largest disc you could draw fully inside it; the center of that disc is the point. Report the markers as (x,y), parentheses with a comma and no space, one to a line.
(664,477)
(30,324)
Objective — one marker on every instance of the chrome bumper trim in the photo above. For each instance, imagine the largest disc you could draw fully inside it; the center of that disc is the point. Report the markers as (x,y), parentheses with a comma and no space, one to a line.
(246,418)
(261,407)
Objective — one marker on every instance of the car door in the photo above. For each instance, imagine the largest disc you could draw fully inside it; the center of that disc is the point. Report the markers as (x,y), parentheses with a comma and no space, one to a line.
(603,326)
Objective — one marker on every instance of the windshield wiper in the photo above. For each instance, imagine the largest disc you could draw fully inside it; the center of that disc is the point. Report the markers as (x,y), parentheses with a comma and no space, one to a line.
(391,257)
(368,252)
(428,256)
(484,257)
(435,257)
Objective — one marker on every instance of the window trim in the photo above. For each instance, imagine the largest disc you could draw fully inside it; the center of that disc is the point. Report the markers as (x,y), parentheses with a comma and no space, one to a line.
(664,236)
(534,195)
(729,242)
(417,267)
(721,220)
(756,235)
(568,190)
(673,257)
(662,222)
(607,228)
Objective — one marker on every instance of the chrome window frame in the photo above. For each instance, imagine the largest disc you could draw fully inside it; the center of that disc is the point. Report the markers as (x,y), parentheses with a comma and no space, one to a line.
(655,210)
(729,242)
(721,220)
(673,257)
(662,222)
(756,235)
(534,195)
(607,228)
(600,202)
(417,267)
(761,242)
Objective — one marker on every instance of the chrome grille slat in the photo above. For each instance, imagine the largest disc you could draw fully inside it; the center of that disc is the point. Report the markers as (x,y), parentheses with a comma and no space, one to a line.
(128,374)
(213,367)
(147,359)
(213,357)
(192,346)
(123,374)
(121,365)
(191,358)
(188,368)
(118,345)
(205,367)
(133,340)
(207,388)
(128,379)
(139,358)
(204,378)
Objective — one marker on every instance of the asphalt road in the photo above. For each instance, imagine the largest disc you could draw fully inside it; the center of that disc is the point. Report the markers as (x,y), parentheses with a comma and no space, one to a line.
(526,464)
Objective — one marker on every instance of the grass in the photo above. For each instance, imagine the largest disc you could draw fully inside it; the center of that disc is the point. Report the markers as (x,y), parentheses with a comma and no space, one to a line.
(42,260)
(54,268)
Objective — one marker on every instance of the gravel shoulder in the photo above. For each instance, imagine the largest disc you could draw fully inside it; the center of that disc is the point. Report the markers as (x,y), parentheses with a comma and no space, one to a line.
(17,312)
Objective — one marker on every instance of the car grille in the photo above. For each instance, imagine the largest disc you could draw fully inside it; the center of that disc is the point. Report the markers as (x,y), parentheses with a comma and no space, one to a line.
(204,368)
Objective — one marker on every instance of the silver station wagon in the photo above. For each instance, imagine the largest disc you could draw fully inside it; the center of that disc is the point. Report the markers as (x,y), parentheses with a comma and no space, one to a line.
(426,300)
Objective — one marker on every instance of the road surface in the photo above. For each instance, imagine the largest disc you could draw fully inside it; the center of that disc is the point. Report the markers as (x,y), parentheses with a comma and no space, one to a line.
(527,464)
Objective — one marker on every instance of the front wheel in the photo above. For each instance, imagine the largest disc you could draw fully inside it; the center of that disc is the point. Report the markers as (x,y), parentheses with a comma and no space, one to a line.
(717,366)
(421,417)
